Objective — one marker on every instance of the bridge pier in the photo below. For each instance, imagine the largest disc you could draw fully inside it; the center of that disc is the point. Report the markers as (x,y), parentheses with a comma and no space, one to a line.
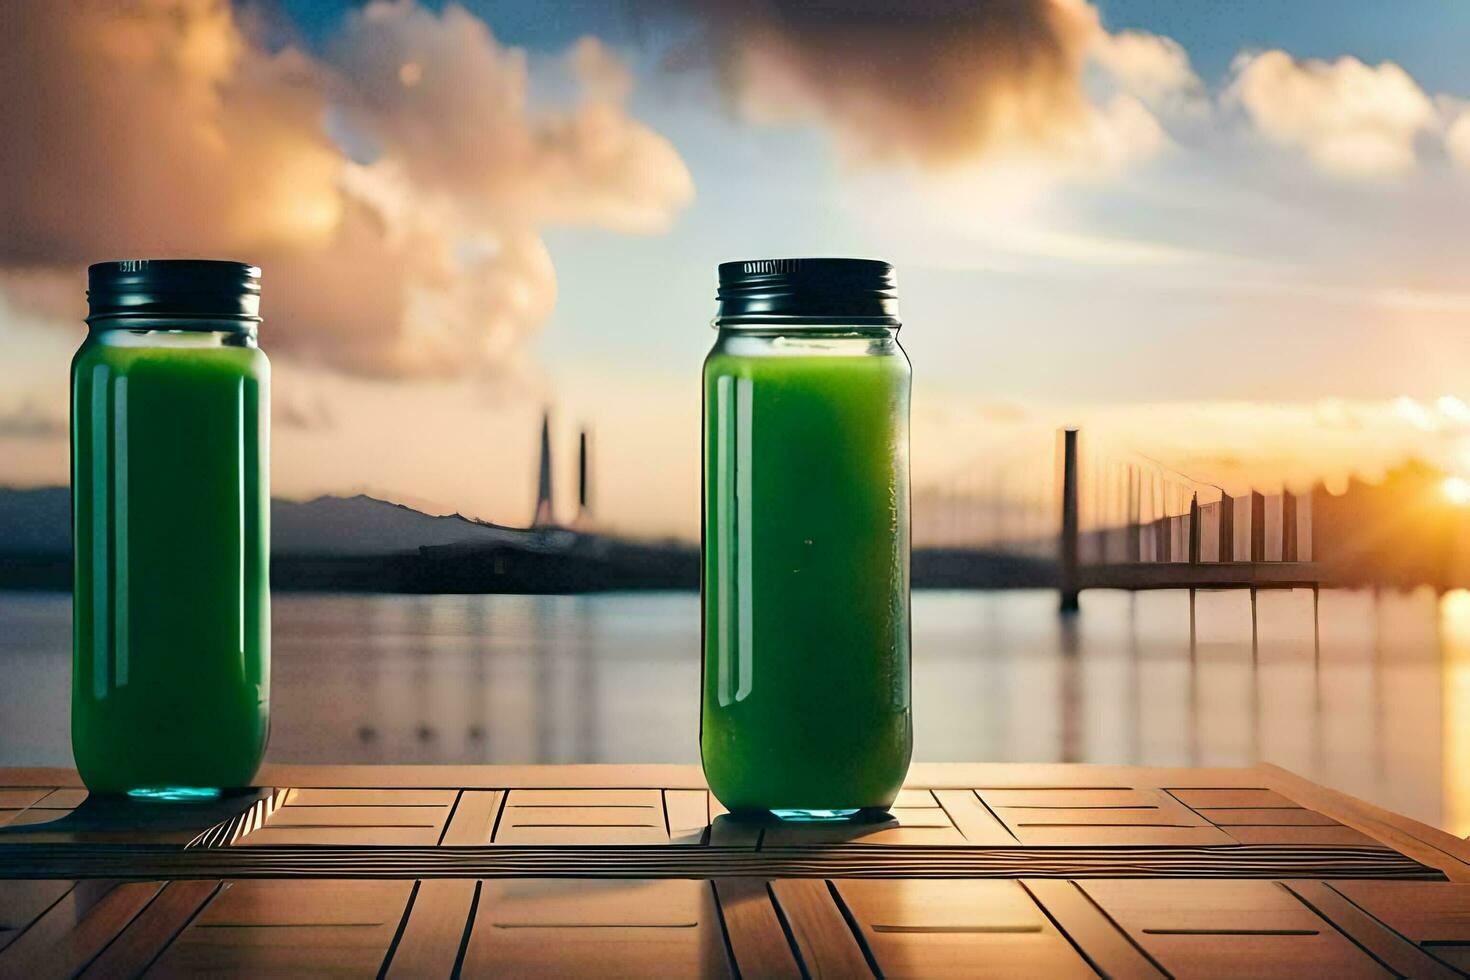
(1068,545)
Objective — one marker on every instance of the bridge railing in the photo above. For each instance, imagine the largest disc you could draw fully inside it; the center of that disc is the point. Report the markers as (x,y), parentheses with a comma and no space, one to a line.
(1130,522)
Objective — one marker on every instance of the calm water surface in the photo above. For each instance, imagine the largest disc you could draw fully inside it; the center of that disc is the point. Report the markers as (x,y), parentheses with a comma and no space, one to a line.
(1375,702)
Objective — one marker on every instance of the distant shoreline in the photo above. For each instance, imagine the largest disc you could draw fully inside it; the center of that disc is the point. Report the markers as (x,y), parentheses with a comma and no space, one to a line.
(604,567)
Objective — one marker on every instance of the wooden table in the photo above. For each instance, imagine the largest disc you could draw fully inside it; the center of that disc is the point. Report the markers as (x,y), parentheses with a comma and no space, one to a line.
(1004,870)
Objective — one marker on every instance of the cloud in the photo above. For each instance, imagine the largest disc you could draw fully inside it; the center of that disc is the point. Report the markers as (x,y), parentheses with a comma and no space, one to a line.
(1351,119)
(1457,135)
(29,420)
(406,244)
(1154,69)
(938,83)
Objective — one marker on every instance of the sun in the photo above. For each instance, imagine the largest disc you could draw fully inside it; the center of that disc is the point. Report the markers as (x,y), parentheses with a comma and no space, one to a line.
(1456,490)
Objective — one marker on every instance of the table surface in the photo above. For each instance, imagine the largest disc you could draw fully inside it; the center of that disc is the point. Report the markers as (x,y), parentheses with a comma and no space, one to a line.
(986,869)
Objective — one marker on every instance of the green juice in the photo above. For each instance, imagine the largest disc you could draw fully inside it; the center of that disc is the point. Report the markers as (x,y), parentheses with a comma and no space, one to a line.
(171,676)
(806,700)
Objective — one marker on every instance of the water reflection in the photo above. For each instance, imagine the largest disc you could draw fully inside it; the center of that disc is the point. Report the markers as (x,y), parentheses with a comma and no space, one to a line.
(1370,695)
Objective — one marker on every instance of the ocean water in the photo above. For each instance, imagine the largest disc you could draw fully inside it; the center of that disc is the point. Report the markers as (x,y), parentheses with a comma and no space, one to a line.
(1370,696)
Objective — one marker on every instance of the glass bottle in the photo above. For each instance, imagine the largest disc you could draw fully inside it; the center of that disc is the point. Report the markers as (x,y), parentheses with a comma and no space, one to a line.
(170,418)
(805,591)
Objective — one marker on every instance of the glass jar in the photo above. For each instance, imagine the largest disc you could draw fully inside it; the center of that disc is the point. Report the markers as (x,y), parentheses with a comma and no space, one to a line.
(170,416)
(805,591)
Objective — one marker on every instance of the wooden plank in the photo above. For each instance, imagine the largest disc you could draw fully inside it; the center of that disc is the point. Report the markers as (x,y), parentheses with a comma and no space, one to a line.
(1275,817)
(74,930)
(757,940)
(1106,948)
(269,927)
(18,798)
(1419,841)
(1229,928)
(1058,816)
(911,797)
(607,928)
(973,819)
(1388,947)
(329,817)
(1217,799)
(1308,836)
(63,799)
(1426,912)
(437,918)
(1107,859)
(146,937)
(687,815)
(962,928)
(298,796)
(34,816)
(340,817)
(341,836)
(826,943)
(582,817)
(473,822)
(1061,795)
(584,797)
(22,902)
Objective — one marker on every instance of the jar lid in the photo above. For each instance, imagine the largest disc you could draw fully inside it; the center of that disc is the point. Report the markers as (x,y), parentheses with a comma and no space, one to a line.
(860,292)
(191,288)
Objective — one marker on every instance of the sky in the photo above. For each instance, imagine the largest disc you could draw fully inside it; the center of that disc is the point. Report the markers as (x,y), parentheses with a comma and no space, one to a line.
(1226,235)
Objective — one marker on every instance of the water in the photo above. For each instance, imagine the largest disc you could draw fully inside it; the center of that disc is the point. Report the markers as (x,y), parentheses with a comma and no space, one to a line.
(997,676)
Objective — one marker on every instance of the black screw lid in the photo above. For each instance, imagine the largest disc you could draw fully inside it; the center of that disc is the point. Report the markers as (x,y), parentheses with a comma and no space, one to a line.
(861,292)
(190,288)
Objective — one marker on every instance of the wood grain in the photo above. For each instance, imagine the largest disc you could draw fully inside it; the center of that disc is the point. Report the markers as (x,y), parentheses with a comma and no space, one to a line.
(826,943)
(757,939)
(473,819)
(660,860)
(688,815)
(1388,947)
(22,902)
(437,917)
(1419,841)
(929,928)
(145,938)
(973,819)
(272,928)
(550,817)
(602,928)
(1096,937)
(1229,928)
(71,933)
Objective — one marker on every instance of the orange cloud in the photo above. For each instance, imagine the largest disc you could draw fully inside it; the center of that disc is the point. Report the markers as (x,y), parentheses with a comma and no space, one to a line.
(937,83)
(160,128)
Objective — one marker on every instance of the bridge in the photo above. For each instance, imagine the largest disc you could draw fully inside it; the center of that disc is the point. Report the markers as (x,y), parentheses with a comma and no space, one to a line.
(1095,516)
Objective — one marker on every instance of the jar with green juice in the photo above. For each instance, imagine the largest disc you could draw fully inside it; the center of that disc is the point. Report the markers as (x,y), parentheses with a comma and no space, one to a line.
(806,699)
(170,415)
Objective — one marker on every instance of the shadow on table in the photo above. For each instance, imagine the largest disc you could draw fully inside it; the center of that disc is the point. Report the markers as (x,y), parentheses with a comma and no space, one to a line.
(121,818)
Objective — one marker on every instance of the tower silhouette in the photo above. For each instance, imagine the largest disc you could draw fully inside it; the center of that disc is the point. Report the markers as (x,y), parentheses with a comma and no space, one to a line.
(584,480)
(544,516)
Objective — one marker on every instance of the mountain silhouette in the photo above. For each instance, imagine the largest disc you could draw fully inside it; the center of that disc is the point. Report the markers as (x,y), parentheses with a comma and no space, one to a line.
(38,523)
